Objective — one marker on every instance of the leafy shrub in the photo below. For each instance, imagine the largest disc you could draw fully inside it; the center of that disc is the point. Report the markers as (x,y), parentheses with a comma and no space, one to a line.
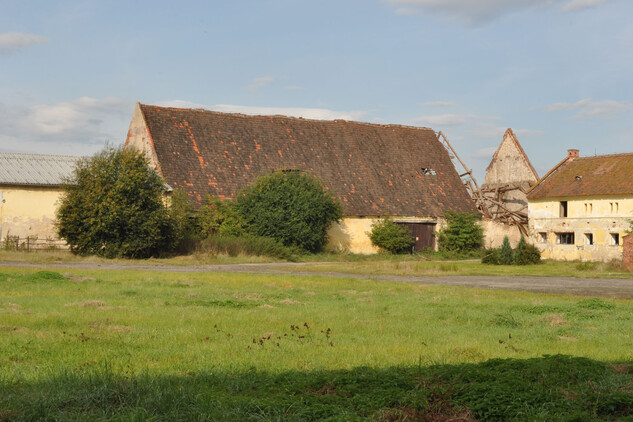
(247,245)
(505,253)
(391,237)
(490,256)
(524,254)
(183,219)
(291,207)
(220,218)
(461,234)
(113,206)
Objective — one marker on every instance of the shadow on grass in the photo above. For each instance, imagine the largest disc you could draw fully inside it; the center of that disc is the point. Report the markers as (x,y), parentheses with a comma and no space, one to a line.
(548,389)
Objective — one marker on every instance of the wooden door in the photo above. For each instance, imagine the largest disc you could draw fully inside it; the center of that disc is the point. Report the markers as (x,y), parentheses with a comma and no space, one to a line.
(423,233)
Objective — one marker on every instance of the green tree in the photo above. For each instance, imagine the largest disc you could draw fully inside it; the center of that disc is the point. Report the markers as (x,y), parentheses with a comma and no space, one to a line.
(526,254)
(391,237)
(291,207)
(461,233)
(505,253)
(113,206)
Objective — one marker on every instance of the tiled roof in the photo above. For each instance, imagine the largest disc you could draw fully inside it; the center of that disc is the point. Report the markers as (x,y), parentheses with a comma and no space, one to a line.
(373,169)
(35,169)
(588,176)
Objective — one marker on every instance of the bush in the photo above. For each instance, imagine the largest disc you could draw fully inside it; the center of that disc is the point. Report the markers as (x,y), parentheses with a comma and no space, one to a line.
(183,219)
(113,206)
(220,218)
(291,207)
(247,245)
(391,237)
(524,254)
(505,253)
(461,234)
(490,256)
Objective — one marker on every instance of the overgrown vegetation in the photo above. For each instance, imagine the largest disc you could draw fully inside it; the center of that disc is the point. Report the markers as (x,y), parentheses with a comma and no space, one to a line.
(391,237)
(461,235)
(290,207)
(524,254)
(113,206)
(117,345)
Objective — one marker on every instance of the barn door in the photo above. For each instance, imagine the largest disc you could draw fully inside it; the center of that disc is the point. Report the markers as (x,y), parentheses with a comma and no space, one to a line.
(423,233)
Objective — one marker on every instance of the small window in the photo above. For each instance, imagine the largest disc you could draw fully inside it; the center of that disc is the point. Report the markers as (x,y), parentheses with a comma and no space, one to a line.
(586,208)
(426,170)
(615,239)
(611,206)
(588,238)
(563,208)
(542,237)
(590,208)
(617,207)
(565,238)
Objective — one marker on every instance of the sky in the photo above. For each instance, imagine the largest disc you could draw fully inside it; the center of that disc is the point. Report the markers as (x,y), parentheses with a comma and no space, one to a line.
(558,72)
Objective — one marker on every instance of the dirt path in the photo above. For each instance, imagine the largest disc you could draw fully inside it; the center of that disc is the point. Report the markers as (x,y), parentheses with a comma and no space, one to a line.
(576,286)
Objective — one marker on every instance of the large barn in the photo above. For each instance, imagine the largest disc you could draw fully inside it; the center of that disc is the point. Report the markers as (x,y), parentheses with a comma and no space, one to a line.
(374,170)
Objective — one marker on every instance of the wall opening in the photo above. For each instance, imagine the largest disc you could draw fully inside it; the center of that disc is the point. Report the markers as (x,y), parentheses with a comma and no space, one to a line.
(588,238)
(563,209)
(615,239)
(565,238)
(423,234)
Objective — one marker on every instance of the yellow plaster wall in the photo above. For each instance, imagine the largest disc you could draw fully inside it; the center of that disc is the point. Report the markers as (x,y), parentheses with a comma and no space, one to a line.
(494,232)
(351,234)
(600,216)
(28,211)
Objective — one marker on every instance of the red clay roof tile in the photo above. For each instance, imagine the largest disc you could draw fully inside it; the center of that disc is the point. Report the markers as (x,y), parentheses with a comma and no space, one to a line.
(352,159)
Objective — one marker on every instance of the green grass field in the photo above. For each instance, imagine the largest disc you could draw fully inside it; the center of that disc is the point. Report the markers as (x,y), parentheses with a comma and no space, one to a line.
(129,345)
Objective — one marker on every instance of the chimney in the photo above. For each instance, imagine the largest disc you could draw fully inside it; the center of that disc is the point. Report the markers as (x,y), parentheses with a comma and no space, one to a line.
(572,154)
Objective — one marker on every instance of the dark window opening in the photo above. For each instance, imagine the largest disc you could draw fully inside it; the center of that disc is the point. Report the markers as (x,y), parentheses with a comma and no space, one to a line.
(563,208)
(589,238)
(565,238)
(615,239)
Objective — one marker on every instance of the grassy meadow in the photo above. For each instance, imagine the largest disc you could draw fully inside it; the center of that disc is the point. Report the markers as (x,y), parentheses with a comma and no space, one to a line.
(131,345)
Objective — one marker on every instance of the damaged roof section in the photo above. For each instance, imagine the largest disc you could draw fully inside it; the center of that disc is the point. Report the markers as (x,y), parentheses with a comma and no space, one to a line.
(374,170)
(587,176)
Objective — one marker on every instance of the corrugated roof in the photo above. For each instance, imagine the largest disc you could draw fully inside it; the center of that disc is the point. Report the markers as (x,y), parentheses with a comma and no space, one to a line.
(35,169)
(585,176)
(373,169)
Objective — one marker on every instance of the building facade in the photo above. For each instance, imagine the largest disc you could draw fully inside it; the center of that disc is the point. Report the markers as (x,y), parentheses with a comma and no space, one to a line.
(30,187)
(581,210)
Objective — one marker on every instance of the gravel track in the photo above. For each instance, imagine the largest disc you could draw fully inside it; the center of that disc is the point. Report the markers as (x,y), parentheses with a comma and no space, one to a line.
(592,287)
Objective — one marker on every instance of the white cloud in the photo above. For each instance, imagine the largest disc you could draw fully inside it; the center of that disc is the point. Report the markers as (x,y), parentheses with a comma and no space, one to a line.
(80,126)
(259,83)
(12,42)
(307,113)
(576,5)
(588,108)
(481,11)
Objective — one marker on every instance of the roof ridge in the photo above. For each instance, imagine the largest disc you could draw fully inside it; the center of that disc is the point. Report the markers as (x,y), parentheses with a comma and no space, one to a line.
(287,117)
